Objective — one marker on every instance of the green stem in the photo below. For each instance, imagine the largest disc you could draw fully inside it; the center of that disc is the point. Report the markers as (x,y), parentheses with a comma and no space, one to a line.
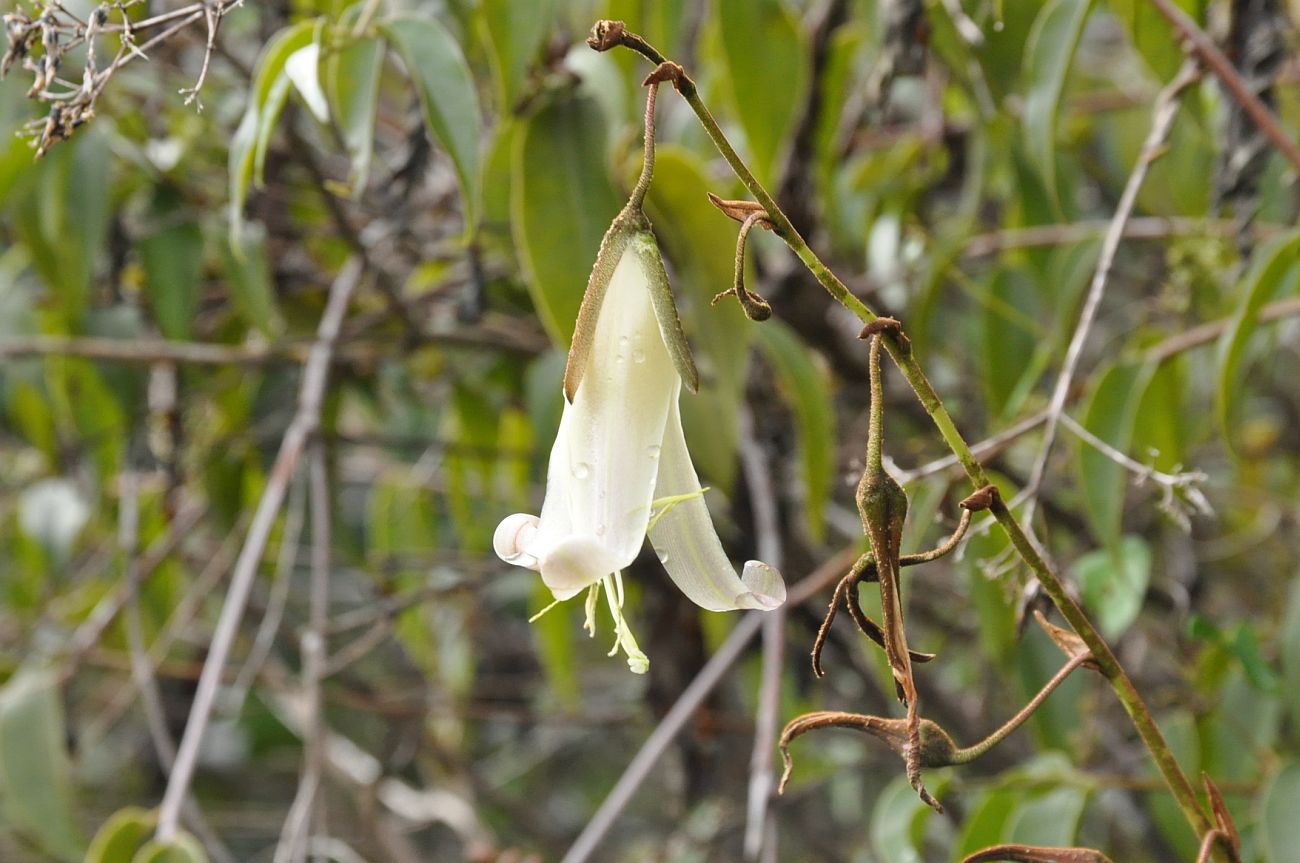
(1143,722)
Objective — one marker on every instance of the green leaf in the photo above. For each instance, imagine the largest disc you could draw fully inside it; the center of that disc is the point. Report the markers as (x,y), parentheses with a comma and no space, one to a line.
(1273,267)
(266,100)
(172,259)
(987,823)
(182,849)
(767,65)
(1049,819)
(120,837)
(562,203)
(1114,584)
(442,77)
(1049,53)
(898,823)
(1110,414)
(35,776)
(63,221)
(1151,33)
(804,383)
(248,275)
(515,30)
(1279,827)
(1010,336)
(351,80)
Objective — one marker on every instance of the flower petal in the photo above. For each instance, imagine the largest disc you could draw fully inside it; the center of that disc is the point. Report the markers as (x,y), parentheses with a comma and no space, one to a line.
(568,565)
(605,460)
(514,536)
(689,547)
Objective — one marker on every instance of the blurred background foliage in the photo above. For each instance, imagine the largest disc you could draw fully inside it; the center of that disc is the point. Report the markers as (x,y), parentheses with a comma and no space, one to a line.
(162,273)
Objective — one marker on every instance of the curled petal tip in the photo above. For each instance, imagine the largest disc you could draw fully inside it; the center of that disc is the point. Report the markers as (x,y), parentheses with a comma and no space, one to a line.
(512,538)
(766,587)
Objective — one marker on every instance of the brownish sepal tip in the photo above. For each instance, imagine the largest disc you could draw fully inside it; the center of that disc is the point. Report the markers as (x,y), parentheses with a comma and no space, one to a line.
(606,35)
(740,210)
(665,71)
(981,500)
(880,325)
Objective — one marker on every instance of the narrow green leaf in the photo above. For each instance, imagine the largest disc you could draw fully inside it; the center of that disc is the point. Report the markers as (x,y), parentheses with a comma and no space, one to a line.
(562,203)
(1274,269)
(805,384)
(35,776)
(1110,414)
(767,64)
(1279,827)
(172,259)
(248,276)
(987,823)
(442,77)
(266,100)
(515,30)
(183,849)
(1115,584)
(120,837)
(1049,54)
(63,221)
(351,80)
(302,68)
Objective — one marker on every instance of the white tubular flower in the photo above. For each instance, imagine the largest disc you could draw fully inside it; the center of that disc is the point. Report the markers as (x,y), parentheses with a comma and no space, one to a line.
(620,468)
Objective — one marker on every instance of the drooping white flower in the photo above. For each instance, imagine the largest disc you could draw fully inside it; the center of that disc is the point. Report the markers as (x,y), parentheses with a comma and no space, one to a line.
(620,468)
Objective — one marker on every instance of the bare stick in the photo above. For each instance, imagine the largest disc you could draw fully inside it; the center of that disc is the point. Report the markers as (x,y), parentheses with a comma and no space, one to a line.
(295,839)
(692,696)
(760,832)
(303,425)
(1162,122)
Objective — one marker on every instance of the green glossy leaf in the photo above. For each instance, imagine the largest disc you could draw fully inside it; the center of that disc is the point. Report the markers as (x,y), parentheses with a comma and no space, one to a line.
(248,276)
(515,30)
(1274,269)
(184,848)
(1279,826)
(447,92)
(562,203)
(1114,584)
(172,259)
(63,220)
(898,823)
(35,776)
(1110,414)
(1161,427)
(266,100)
(767,65)
(987,823)
(1049,54)
(351,80)
(804,382)
(120,837)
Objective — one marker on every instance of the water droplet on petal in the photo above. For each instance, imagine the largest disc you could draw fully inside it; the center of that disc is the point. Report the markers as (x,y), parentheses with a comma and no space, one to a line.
(653,450)
(662,555)
(581,470)
(638,356)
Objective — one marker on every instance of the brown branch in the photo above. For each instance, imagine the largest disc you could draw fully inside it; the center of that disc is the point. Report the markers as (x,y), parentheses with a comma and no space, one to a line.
(1204,46)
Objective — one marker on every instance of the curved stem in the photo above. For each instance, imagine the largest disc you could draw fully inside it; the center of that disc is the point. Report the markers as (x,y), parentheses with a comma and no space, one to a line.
(975,750)
(1144,723)
(647,152)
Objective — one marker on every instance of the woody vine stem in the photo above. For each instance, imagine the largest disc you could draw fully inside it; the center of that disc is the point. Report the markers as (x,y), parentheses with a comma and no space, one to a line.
(611,34)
